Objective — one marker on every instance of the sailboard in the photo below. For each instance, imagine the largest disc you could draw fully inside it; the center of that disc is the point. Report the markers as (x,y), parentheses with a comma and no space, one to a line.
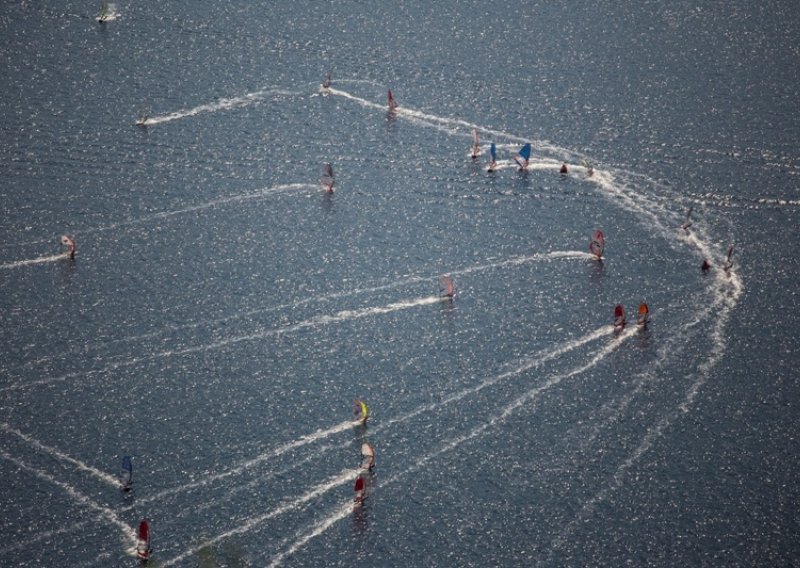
(360,489)
(126,479)
(446,287)
(475,143)
(644,314)
(619,316)
(598,244)
(688,222)
(360,411)
(523,156)
(367,456)
(390,99)
(69,242)
(143,548)
(327,177)
(493,154)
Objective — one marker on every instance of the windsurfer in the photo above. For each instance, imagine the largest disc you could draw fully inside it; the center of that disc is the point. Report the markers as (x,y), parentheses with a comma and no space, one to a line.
(619,317)
(523,157)
(326,84)
(493,153)
(360,411)
(597,245)
(729,262)
(446,287)
(69,242)
(391,102)
(688,222)
(644,315)
(475,144)
(360,489)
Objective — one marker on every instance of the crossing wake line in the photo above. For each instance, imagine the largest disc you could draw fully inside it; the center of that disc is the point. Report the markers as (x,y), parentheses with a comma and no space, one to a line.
(211,204)
(127,531)
(222,104)
(109,480)
(490,264)
(314,322)
(342,478)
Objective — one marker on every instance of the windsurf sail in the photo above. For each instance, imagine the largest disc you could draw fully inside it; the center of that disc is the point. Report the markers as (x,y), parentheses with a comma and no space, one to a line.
(729,261)
(327,177)
(589,168)
(326,84)
(360,411)
(475,143)
(644,314)
(523,156)
(127,473)
(598,244)
(367,456)
(493,154)
(360,489)
(619,316)
(69,242)
(446,287)
(688,222)
(143,549)
(391,101)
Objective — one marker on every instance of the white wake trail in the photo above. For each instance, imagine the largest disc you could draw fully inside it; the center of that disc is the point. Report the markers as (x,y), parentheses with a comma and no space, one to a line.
(98,474)
(222,104)
(127,531)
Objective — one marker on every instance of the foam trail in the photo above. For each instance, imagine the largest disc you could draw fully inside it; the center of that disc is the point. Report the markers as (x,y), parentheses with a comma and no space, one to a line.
(530,395)
(338,480)
(165,215)
(101,475)
(197,509)
(206,205)
(318,321)
(428,119)
(342,512)
(44,535)
(526,365)
(222,104)
(294,444)
(40,260)
(104,512)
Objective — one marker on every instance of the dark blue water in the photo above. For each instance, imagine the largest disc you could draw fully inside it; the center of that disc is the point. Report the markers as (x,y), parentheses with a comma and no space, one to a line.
(223,312)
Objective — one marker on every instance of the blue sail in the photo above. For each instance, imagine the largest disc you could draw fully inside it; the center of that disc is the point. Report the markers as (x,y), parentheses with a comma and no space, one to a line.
(525,152)
(493,151)
(127,473)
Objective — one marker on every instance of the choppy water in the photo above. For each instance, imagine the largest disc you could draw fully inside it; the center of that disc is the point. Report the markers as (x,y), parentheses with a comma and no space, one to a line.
(223,312)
